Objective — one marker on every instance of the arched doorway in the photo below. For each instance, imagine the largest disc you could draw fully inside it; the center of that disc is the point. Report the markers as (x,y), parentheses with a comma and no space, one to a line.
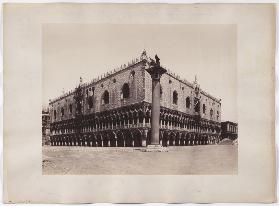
(137,138)
(105,140)
(120,139)
(84,140)
(112,138)
(165,139)
(177,139)
(128,138)
(99,140)
(182,140)
(93,140)
(171,139)
(148,139)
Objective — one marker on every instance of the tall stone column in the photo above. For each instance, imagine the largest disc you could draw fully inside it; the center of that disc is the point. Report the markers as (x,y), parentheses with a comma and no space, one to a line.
(155,71)
(155,118)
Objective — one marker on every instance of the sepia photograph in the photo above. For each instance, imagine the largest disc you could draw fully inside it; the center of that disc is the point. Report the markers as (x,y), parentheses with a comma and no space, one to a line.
(139,99)
(139,103)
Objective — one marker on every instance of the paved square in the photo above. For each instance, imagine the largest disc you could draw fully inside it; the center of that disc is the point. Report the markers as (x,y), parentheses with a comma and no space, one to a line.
(182,160)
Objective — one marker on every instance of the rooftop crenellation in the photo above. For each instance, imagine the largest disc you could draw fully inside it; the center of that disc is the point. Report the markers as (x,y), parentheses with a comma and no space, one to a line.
(105,75)
(122,67)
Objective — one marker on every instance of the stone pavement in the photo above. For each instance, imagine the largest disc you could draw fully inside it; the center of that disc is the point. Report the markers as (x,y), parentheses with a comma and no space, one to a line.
(182,160)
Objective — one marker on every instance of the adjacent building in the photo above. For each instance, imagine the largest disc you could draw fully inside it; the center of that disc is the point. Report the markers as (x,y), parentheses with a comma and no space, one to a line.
(45,126)
(115,110)
(229,130)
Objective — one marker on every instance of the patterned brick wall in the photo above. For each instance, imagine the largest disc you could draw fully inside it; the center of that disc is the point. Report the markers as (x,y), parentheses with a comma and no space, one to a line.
(169,84)
(133,76)
(93,94)
(140,89)
(65,103)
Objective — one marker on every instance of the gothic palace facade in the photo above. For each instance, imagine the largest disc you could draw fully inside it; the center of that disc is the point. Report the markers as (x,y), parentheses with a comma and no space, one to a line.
(115,110)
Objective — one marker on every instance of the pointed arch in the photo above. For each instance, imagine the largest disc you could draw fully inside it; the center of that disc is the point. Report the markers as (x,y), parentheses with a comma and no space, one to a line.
(188,103)
(125,91)
(174,97)
(203,108)
(105,98)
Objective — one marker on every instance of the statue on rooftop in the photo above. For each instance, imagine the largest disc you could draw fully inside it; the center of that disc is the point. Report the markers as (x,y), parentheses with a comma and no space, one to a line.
(143,55)
(157,60)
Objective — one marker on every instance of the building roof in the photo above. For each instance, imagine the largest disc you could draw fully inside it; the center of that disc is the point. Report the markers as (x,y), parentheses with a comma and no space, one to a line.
(229,122)
(127,66)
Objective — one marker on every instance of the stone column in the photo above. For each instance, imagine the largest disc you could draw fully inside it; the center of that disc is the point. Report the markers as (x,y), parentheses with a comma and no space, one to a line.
(155,118)
(155,71)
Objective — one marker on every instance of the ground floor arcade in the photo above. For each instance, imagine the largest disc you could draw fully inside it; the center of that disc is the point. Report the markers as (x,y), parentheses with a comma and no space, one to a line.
(133,138)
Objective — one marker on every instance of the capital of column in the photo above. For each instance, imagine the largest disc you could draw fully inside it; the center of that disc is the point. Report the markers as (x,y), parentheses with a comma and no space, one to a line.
(155,70)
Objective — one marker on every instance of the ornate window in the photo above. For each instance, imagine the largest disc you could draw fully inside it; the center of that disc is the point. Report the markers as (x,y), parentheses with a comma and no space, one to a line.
(71,108)
(91,91)
(188,102)
(203,108)
(90,102)
(126,91)
(105,99)
(211,113)
(132,75)
(174,97)
(54,113)
(217,115)
(62,112)
(197,105)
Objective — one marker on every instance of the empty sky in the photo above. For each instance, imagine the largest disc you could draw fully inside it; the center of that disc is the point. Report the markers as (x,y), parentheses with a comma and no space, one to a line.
(89,50)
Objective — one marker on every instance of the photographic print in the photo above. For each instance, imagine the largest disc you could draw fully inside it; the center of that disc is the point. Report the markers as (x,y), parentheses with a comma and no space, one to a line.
(139,103)
(139,99)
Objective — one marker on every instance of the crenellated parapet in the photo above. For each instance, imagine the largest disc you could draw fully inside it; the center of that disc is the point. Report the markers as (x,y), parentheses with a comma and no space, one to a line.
(143,58)
(109,74)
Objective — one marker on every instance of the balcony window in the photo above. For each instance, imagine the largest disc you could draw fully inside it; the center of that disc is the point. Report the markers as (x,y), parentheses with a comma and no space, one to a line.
(174,97)
(188,102)
(62,112)
(105,98)
(90,102)
(126,91)
(211,113)
(197,105)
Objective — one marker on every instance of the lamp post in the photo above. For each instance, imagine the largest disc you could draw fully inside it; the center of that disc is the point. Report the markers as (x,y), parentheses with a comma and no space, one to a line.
(155,71)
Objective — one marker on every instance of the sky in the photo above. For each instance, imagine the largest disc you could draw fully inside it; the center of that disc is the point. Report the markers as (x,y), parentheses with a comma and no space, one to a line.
(71,51)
